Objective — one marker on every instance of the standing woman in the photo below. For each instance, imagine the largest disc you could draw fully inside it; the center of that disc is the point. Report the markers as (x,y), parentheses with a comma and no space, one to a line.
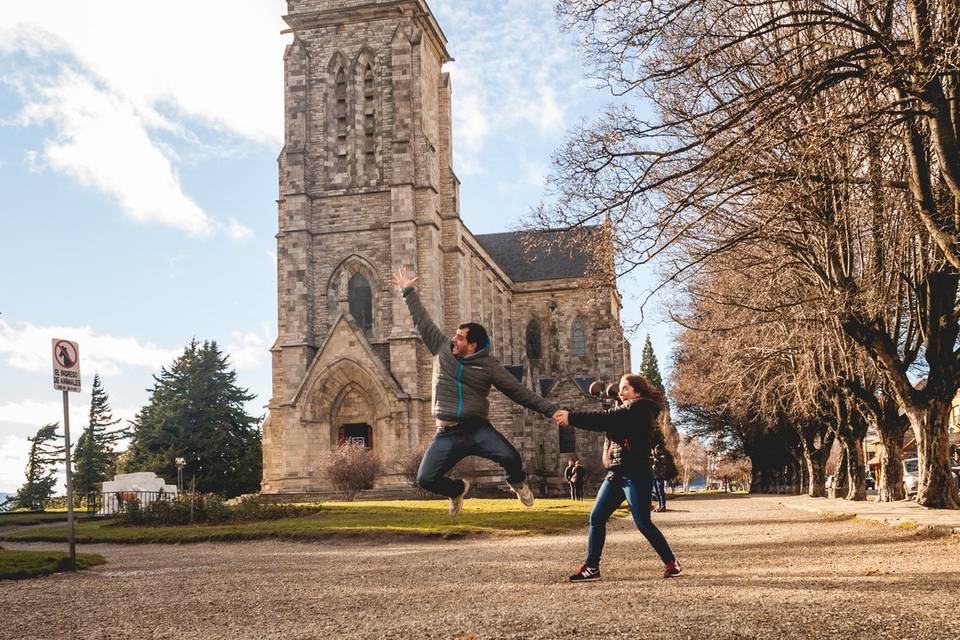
(626,457)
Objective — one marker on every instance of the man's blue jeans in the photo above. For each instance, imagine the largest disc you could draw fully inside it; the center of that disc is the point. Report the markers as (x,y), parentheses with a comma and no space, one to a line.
(471,438)
(612,492)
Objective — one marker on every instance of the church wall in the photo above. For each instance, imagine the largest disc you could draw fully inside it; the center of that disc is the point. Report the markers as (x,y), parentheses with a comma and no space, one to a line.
(338,214)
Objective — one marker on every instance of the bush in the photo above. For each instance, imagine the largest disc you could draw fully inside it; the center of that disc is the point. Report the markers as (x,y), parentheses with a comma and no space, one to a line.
(408,462)
(207,508)
(352,469)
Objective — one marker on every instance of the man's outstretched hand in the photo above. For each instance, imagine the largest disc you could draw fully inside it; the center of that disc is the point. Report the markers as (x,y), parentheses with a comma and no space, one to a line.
(562,418)
(401,279)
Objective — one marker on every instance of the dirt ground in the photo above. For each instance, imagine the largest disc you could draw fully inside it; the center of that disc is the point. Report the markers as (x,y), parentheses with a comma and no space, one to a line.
(753,569)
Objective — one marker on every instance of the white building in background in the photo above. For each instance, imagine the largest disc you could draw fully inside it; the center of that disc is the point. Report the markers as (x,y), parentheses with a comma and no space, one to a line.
(144,486)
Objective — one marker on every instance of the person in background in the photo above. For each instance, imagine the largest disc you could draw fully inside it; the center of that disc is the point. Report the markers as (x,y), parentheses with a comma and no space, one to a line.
(579,477)
(568,474)
(658,460)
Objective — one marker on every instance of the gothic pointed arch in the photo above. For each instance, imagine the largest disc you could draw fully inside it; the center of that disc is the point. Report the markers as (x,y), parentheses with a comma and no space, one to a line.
(533,340)
(344,397)
(351,417)
(346,292)
(368,118)
(578,338)
(360,300)
(340,124)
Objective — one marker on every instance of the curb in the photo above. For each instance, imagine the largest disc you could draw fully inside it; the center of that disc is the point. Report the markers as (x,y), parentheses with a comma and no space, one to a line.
(892,521)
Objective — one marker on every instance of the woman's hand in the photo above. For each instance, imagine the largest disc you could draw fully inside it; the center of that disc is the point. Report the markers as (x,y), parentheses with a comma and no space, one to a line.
(562,418)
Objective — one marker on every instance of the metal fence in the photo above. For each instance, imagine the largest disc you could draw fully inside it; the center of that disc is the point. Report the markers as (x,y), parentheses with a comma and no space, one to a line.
(113,502)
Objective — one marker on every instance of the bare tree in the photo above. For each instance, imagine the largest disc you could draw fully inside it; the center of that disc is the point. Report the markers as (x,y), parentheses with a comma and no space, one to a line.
(815,141)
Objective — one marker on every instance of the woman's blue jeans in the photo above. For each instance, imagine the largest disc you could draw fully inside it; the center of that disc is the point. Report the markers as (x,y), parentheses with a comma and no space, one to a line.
(471,438)
(611,495)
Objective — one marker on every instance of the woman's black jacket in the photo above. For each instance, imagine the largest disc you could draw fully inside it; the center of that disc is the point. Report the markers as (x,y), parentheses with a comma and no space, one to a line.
(626,449)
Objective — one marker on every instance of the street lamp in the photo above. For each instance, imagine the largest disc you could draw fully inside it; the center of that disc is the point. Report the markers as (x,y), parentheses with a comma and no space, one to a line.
(181,463)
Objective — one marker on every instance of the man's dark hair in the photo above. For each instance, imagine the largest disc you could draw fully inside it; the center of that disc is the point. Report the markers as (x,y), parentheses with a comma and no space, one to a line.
(476,334)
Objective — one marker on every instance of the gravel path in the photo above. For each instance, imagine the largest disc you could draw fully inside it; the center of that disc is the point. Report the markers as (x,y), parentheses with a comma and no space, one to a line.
(754,569)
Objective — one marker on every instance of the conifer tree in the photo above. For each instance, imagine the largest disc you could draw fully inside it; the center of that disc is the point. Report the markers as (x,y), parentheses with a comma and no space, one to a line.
(94,458)
(196,411)
(45,454)
(649,368)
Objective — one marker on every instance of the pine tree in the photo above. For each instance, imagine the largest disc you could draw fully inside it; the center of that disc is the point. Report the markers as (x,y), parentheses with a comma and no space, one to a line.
(649,368)
(94,458)
(41,473)
(196,412)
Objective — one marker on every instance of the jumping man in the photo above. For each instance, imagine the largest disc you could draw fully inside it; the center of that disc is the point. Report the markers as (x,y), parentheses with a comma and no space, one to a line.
(463,372)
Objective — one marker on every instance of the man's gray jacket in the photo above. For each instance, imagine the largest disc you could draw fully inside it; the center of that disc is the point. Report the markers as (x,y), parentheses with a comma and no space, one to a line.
(461,385)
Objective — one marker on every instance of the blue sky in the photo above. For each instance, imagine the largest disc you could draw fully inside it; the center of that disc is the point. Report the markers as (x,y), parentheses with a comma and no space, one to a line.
(138,169)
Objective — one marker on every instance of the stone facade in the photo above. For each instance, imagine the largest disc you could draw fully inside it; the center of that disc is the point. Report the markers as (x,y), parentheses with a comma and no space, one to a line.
(367,186)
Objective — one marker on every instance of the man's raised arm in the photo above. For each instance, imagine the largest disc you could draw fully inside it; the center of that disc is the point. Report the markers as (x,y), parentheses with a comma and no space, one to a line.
(429,332)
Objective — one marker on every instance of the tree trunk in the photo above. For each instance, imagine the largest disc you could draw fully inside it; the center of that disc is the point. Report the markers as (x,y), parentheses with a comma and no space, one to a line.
(856,472)
(817,472)
(937,488)
(804,476)
(756,481)
(890,483)
(840,477)
(814,457)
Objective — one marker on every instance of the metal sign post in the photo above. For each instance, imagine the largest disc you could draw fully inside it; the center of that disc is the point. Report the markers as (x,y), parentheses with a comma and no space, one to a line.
(66,378)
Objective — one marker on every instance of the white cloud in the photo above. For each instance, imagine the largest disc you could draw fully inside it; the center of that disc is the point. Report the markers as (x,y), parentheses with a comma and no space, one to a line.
(103,142)
(520,87)
(34,412)
(26,416)
(248,350)
(471,129)
(238,231)
(28,349)
(128,74)
(179,53)
(537,174)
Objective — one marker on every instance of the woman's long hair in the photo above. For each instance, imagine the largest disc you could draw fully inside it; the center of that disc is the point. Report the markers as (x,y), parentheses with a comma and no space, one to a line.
(645,389)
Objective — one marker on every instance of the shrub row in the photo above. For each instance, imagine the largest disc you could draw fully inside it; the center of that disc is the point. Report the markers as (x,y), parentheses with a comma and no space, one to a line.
(208,508)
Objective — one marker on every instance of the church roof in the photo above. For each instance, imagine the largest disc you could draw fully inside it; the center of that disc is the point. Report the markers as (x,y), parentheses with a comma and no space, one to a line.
(541,255)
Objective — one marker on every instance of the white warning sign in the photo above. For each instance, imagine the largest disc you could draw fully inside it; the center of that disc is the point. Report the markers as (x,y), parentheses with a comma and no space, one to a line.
(66,365)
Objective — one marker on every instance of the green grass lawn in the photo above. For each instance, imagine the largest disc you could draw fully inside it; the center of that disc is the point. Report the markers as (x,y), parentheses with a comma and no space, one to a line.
(16,565)
(29,517)
(401,518)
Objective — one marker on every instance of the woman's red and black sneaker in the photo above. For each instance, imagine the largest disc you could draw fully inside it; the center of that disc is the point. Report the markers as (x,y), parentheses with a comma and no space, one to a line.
(586,574)
(672,569)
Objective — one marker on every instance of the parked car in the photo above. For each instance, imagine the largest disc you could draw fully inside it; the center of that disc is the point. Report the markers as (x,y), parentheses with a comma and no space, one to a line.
(870,482)
(911,475)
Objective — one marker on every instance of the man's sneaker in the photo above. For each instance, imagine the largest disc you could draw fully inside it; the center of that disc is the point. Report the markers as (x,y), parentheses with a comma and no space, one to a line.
(524,494)
(456,504)
(586,574)
(672,570)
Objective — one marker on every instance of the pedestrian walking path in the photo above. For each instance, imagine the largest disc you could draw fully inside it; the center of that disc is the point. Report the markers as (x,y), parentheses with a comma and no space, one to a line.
(893,513)
(753,570)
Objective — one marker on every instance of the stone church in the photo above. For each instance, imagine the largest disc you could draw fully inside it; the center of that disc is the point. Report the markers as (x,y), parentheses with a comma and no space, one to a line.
(366,186)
